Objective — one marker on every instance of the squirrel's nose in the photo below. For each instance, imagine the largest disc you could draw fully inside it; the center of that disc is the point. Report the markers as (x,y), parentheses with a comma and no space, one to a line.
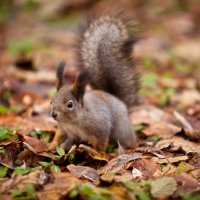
(54,114)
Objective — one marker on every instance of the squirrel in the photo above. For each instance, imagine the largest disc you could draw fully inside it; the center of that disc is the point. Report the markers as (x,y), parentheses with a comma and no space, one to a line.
(104,55)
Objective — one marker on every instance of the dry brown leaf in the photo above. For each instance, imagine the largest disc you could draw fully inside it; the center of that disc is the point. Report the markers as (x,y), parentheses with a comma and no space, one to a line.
(165,130)
(186,183)
(148,114)
(173,159)
(108,177)
(59,188)
(37,147)
(28,157)
(186,98)
(18,182)
(9,156)
(92,152)
(85,172)
(176,143)
(25,125)
(125,175)
(146,166)
(119,162)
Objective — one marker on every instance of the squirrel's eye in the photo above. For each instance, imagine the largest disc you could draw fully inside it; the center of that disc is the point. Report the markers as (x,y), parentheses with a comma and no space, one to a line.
(70,104)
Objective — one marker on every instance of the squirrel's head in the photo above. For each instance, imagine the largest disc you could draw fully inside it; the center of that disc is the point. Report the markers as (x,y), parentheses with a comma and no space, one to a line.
(67,104)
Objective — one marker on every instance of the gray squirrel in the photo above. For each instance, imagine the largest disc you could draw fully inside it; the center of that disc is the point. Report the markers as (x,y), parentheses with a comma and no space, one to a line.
(104,55)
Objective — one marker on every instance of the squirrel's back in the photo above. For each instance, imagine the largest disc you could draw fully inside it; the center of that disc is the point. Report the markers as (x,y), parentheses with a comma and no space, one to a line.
(105,49)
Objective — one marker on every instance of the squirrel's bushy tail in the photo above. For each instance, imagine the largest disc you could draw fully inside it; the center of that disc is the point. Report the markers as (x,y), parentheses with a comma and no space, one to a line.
(105,48)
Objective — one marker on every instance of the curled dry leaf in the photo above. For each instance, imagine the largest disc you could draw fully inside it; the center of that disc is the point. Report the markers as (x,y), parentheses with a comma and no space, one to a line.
(37,147)
(28,157)
(9,156)
(173,159)
(92,152)
(177,143)
(85,172)
(119,162)
(188,129)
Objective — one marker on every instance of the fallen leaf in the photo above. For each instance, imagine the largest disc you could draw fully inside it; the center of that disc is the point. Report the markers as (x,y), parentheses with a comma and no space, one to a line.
(165,130)
(85,172)
(148,114)
(59,188)
(177,143)
(37,147)
(8,158)
(91,152)
(163,187)
(108,177)
(186,183)
(173,159)
(146,167)
(18,182)
(119,162)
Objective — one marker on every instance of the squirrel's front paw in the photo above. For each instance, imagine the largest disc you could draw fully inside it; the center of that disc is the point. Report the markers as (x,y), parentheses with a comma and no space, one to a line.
(53,145)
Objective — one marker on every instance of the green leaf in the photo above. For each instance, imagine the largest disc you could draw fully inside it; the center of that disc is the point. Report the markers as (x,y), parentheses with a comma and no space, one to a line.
(22,170)
(25,46)
(6,95)
(163,187)
(163,100)
(45,164)
(34,134)
(2,150)
(155,138)
(6,133)
(191,197)
(87,190)
(28,192)
(73,193)
(71,157)
(52,91)
(60,151)
(137,190)
(55,168)
(138,127)
(149,79)
(3,171)
(3,109)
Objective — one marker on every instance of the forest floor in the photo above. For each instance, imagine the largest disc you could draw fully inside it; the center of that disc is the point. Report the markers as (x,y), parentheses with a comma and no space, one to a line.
(166,162)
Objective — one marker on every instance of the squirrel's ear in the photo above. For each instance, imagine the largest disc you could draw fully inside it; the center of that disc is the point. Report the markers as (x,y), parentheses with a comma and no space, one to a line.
(59,75)
(78,89)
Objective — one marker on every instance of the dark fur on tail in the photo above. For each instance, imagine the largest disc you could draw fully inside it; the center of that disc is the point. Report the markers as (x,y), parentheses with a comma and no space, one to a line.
(105,47)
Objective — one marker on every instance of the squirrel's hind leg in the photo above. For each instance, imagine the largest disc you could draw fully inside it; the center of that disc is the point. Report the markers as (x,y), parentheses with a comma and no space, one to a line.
(124,133)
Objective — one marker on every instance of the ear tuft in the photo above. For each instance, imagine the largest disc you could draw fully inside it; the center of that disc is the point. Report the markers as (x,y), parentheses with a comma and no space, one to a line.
(59,75)
(78,89)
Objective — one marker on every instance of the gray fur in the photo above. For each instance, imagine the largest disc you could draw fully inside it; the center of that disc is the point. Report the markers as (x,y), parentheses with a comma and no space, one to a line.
(101,116)
(104,52)
(104,47)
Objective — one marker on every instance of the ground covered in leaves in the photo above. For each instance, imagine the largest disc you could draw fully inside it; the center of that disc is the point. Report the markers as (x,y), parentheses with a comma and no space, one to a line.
(34,37)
